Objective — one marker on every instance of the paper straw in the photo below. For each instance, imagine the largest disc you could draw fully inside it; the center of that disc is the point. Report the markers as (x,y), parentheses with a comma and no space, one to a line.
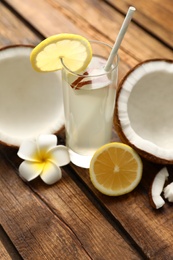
(119,37)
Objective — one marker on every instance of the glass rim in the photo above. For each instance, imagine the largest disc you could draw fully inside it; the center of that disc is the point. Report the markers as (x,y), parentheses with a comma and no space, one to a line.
(94,75)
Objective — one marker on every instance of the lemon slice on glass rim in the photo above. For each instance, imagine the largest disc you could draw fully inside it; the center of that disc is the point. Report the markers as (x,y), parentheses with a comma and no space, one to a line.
(115,169)
(73,49)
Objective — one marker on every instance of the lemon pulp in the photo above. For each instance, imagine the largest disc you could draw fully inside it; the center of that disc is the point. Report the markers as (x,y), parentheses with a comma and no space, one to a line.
(73,49)
(115,169)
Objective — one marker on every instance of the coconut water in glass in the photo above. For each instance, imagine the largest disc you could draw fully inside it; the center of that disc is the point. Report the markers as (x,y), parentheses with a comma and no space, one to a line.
(89,101)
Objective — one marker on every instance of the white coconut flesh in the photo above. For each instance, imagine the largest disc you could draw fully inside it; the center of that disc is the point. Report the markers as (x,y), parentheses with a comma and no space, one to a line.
(145,108)
(30,102)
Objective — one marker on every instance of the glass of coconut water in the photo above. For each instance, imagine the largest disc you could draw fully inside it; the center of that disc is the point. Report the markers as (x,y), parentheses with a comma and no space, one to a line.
(89,101)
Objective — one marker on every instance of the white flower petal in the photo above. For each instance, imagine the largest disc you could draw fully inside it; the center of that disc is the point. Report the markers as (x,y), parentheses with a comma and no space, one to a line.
(28,150)
(46,142)
(30,170)
(51,173)
(59,155)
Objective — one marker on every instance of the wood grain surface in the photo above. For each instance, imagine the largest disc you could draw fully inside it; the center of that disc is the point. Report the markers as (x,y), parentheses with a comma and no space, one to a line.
(71,219)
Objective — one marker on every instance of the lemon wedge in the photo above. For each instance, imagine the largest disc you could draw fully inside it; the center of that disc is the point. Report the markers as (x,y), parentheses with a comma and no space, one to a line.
(115,169)
(74,50)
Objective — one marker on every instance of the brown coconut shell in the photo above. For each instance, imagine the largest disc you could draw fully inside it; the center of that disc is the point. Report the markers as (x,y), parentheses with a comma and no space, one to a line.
(8,143)
(117,124)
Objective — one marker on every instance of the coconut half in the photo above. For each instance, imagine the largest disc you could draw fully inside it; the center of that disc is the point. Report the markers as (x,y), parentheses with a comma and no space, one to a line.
(31,103)
(144,110)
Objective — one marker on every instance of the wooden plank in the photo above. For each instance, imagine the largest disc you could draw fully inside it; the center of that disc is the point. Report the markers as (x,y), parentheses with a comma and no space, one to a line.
(108,21)
(137,212)
(27,219)
(64,25)
(154,15)
(149,228)
(28,223)
(104,25)
(3,252)
(9,30)
(55,221)
(7,249)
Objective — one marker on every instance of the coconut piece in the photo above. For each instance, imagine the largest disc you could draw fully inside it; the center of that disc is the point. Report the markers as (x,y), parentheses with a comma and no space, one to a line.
(168,192)
(157,188)
(31,103)
(144,110)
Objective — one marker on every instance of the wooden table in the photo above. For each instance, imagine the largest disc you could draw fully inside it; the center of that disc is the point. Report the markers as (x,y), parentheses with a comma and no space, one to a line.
(71,219)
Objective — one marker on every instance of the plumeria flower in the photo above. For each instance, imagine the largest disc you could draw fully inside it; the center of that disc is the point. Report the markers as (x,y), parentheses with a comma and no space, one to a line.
(42,157)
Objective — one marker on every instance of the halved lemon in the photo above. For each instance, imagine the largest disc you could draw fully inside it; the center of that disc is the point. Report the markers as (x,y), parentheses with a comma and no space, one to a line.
(115,169)
(74,50)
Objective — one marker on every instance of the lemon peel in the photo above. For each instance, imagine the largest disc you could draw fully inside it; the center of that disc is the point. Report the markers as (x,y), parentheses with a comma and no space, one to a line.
(115,169)
(74,50)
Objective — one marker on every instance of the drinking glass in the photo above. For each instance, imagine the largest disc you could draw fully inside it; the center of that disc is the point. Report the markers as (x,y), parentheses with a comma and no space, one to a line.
(89,101)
